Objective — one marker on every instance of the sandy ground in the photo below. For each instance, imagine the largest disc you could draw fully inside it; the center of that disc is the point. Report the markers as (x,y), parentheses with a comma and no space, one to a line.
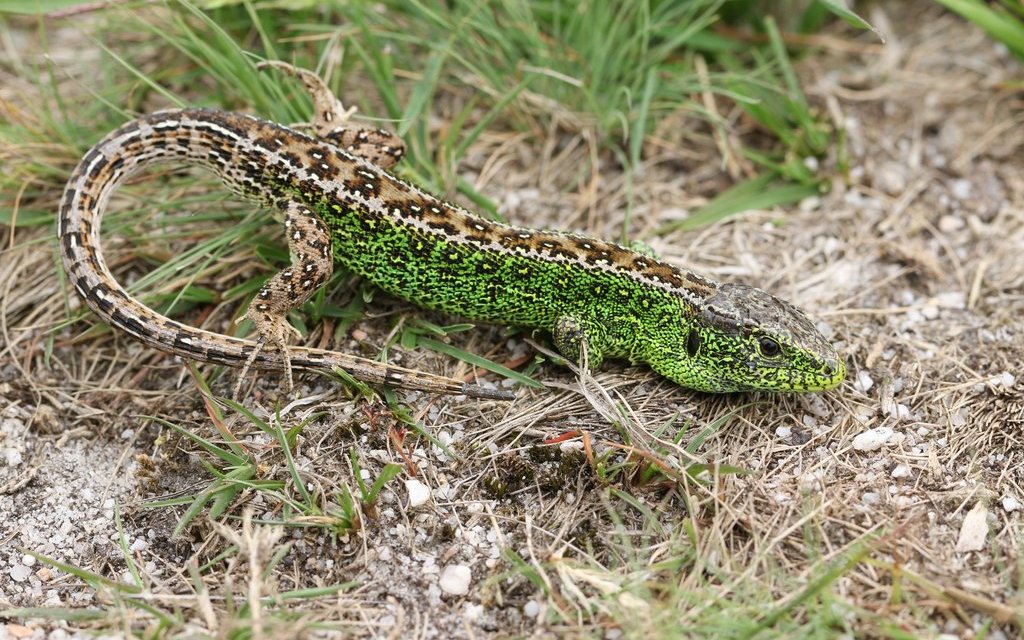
(913,265)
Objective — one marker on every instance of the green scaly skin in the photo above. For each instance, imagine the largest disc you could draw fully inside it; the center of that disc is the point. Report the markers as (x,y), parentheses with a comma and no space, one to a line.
(614,314)
(596,298)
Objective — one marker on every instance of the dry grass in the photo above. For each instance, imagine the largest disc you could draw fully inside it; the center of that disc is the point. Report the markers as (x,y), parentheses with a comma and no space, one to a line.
(914,264)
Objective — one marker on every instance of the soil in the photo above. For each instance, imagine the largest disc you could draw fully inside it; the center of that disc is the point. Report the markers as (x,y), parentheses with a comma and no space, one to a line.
(912,264)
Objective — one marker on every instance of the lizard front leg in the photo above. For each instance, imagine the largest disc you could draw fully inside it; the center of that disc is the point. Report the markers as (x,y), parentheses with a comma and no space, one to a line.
(309,243)
(579,340)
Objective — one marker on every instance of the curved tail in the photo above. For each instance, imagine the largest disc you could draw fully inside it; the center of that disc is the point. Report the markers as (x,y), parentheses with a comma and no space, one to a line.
(204,137)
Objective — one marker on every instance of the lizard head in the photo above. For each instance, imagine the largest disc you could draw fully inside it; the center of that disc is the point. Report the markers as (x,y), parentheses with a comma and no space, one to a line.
(746,339)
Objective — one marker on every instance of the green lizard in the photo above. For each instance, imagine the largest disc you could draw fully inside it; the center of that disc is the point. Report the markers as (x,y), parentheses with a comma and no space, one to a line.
(598,300)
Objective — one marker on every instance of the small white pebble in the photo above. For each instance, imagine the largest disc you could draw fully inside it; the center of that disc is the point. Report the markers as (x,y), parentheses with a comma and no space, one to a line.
(951,300)
(531,609)
(28,560)
(138,545)
(1010,504)
(890,177)
(812,203)
(870,498)
(903,502)
(783,432)
(19,572)
(419,493)
(455,579)
(961,189)
(872,439)
(12,457)
(1005,379)
(949,224)
(444,491)
(384,554)
(863,382)
(901,471)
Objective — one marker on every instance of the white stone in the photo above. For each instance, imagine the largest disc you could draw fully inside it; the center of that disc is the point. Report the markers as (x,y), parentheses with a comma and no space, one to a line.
(951,300)
(961,189)
(1005,379)
(531,609)
(419,493)
(949,224)
(863,381)
(901,471)
(28,560)
(455,579)
(891,178)
(444,491)
(19,573)
(12,457)
(1010,504)
(872,439)
(783,432)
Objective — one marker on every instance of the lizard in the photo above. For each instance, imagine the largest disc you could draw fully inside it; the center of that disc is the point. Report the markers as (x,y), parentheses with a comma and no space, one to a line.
(596,299)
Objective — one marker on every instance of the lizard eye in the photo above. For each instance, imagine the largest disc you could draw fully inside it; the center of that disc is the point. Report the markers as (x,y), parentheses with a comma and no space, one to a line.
(768,347)
(692,342)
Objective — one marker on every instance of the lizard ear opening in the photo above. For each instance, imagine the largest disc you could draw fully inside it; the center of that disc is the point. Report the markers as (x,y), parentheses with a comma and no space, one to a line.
(692,342)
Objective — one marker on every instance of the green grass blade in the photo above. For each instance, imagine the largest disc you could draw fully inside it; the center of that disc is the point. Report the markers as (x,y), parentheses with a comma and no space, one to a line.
(93,579)
(230,458)
(476,361)
(762,192)
(995,20)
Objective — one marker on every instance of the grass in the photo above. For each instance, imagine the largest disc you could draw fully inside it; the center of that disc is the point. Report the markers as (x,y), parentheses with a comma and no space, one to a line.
(657,555)
(562,77)
(1003,21)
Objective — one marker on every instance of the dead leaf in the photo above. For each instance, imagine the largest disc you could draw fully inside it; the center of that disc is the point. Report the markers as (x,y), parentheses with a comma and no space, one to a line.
(974,530)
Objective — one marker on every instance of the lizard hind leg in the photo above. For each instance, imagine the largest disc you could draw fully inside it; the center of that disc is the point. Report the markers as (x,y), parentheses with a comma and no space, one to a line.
(309,244)
(576,340)
(330,121)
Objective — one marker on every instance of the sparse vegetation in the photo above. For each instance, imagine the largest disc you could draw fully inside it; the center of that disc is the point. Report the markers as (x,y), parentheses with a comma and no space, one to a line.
(595,506)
